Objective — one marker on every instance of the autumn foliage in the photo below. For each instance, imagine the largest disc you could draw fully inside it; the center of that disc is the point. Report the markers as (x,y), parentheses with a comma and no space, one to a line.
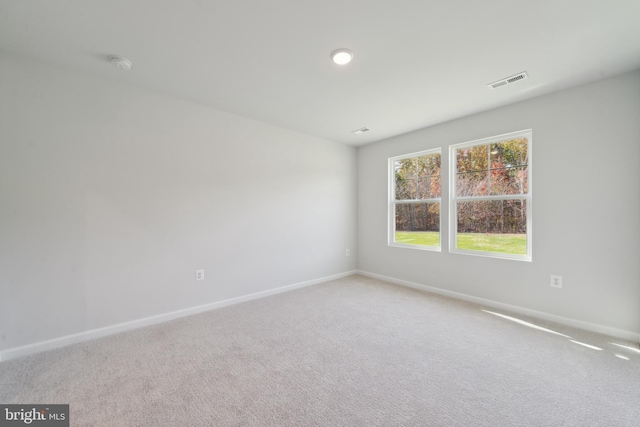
(483,174)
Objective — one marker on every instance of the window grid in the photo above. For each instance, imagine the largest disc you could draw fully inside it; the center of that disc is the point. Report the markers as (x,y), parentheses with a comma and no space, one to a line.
(421,190)
(521,191)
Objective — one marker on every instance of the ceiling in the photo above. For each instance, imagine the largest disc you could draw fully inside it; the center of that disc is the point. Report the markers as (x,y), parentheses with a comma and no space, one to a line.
(417,62)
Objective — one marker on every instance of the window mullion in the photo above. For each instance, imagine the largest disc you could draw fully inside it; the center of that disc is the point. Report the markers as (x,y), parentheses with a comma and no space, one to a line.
(489,169)
(416,201)
(494,197)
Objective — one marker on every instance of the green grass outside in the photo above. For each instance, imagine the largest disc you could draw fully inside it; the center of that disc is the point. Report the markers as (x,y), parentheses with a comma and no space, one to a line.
(424,238)
(502,243)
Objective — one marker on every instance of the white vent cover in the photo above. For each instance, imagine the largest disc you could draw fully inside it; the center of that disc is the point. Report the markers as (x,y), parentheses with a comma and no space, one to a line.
(508,80)
(361,130)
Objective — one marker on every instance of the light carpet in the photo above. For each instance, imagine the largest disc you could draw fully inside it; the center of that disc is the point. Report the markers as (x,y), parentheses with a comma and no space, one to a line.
(350,352)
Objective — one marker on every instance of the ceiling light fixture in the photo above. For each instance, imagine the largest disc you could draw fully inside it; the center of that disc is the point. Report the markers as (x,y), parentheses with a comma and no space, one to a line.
(121,63)
(341,56)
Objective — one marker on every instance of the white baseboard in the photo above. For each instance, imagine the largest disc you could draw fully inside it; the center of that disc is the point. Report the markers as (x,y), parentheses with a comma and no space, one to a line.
(592,327)
(147,321)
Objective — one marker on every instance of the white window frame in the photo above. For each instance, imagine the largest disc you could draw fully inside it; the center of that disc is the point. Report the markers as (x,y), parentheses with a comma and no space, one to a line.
(393,202)
(454,199)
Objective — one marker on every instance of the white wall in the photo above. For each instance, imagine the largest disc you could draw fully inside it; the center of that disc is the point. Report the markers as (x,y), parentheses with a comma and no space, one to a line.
(586,207)
(111,197)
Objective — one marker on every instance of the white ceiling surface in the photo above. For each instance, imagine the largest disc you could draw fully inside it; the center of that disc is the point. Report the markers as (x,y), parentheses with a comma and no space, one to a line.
(417,62)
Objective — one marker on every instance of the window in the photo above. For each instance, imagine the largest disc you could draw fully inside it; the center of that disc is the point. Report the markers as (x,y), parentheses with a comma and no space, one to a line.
(490,203)
(414,200)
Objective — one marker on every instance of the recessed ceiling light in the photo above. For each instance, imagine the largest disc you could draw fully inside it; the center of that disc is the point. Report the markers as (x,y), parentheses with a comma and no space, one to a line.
(121,63)
(341,56)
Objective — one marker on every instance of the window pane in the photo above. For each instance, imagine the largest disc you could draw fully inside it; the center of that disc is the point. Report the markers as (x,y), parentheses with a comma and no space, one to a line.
(432,164)
(493,226)
(471,159)
(422,188)
(418,224)
(428,187)
(405,188)
(406,176)
(472,184)
(435,186)
(509,180)
(509,167)
(418,178)
(512,151)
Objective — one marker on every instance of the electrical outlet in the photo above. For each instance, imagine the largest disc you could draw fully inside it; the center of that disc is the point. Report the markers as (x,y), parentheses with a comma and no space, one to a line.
(200,274)
(556,281)
(347,252)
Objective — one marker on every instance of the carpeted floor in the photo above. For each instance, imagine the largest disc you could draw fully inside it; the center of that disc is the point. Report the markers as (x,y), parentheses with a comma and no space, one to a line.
(351,352)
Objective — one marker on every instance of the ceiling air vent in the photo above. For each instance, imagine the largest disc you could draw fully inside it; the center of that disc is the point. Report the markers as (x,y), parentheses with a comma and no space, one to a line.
(361,130)
(508,80)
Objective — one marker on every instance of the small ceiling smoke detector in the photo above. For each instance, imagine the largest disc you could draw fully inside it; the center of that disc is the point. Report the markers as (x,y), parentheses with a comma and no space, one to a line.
(361,130)
(508,80)
(341,56)
(121,63)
